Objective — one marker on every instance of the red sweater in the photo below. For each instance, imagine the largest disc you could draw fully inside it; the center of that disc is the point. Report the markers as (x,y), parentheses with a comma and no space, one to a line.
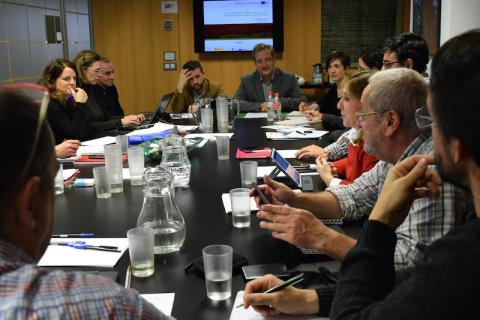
(356,163)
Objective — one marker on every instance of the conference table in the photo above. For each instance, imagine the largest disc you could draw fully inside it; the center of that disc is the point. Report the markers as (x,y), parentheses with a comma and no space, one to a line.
(78,210)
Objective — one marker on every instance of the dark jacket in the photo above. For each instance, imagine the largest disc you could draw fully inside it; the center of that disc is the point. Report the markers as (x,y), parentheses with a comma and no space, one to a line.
(250,92)
(69,121)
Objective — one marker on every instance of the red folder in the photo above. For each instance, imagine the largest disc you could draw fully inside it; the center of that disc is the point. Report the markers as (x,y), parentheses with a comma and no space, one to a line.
(253,154)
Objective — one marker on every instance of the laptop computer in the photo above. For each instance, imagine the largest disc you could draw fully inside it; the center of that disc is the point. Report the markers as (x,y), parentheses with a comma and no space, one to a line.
(158,115)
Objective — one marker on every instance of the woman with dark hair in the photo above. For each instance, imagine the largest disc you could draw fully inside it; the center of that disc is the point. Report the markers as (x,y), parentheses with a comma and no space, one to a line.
(88,64)
(67,113)
(325,109)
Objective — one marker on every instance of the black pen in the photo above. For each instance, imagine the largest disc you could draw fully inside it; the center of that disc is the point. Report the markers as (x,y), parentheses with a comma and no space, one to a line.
(287,283)
(301,132)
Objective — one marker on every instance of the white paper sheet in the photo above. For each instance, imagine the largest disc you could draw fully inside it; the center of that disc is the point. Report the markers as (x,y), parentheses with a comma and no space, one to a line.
(296,114)
(296,121)
(288,154)
(157,128)
(68,173)
(209,136)
(98,149)
(227,204)
(181,116)
(250,314)
(70,257)
(255,115)
(99,142)
(161,301)
(294,135)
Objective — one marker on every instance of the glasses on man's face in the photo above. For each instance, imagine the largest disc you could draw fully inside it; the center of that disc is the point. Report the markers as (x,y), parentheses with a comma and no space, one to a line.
(39,95)
(423,118)
(266,60)
(361,115)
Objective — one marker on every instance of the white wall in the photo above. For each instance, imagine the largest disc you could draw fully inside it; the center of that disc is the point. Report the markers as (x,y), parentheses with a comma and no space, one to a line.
(458,16)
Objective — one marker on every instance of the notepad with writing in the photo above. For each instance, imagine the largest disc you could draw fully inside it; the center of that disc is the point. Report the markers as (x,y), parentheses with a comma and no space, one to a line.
(253,153)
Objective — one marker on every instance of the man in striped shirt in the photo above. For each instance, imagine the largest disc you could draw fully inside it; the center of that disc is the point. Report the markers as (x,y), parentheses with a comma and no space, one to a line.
(390,131)
(27,171)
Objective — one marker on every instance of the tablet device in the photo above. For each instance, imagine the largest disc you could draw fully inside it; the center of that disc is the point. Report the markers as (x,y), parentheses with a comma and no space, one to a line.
(286,168)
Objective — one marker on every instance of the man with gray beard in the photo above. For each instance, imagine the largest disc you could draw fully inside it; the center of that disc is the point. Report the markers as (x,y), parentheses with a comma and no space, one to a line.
(390,132)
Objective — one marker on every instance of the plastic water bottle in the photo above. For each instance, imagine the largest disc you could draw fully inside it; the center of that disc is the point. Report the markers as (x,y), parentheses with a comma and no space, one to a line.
(270,111)
(277,107)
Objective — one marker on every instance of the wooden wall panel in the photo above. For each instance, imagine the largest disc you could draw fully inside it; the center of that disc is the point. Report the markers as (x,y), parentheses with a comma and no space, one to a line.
(131,34)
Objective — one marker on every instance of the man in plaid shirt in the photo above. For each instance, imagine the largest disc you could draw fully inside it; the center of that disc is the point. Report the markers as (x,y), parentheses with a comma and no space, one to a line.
(390,132)
(26,219)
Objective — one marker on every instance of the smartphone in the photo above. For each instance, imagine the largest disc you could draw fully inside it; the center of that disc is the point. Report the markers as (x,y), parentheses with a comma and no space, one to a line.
(261,195)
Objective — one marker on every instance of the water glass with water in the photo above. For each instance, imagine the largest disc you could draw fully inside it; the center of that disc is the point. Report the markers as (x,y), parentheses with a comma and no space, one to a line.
(248,173)
(136,165)
(217,260)
(240,201)
(102,184)
(59,180)
(222,114)
(140,247)
(223,147)
(122,140)
(207,119)
(114,166)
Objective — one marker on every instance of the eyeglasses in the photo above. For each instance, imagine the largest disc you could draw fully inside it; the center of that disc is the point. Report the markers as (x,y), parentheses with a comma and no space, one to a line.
(361,115)
(423,119)
(39,95)
(266,60)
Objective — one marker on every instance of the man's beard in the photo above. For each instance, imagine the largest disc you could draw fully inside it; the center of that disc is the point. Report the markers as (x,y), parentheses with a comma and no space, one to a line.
(449,173)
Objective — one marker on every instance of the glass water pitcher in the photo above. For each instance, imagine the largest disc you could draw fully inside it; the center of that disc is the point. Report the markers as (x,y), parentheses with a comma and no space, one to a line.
(160,211)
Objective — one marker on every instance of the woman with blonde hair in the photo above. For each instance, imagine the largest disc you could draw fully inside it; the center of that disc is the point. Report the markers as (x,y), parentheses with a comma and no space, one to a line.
(88,64)
(346,170)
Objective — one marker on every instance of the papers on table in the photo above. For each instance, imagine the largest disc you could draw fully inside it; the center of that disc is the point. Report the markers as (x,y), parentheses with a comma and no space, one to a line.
(65,256)
(288,154)
(209,136)
(296,121)
(186,128)
(295,114)
(256,115)
(250,314)
(69,173)
(161,301)
(99,142)
(295,134)
(227,204)
(157,128)
(262,171)
(177,116)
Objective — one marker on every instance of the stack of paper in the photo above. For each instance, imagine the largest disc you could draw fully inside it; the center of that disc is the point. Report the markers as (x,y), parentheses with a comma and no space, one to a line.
(66,256)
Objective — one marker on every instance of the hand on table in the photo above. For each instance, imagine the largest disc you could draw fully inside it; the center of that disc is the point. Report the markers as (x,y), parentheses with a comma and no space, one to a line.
(313,115)
(303,106)
(290,300)
(263,107)
(311,151)
(131,119)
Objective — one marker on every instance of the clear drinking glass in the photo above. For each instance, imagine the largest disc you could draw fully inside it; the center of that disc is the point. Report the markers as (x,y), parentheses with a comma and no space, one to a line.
(217,260)
(223,147)
(102,184)
(248,173)
(140,247)
(114,166)
(240,201)
(136,165)
(59,180)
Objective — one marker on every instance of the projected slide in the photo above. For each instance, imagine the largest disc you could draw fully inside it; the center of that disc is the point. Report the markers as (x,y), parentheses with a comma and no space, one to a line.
(237,25)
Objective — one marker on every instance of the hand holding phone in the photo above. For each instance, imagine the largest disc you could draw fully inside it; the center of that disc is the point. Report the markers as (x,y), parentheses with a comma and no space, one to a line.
(261,196)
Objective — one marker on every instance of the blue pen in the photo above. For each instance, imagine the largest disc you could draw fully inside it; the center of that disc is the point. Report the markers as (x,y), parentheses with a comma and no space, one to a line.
(83,245)
(73,235)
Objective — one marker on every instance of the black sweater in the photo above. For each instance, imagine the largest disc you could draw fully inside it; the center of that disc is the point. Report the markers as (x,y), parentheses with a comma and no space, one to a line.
(68,121)
(102,122)
(445,284)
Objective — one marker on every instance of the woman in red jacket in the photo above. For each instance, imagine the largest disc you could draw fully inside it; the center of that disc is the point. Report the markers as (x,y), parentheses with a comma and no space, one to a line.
(346,170)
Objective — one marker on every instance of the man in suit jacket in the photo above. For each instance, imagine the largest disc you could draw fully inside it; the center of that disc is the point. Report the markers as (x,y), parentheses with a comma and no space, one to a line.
(255,87)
